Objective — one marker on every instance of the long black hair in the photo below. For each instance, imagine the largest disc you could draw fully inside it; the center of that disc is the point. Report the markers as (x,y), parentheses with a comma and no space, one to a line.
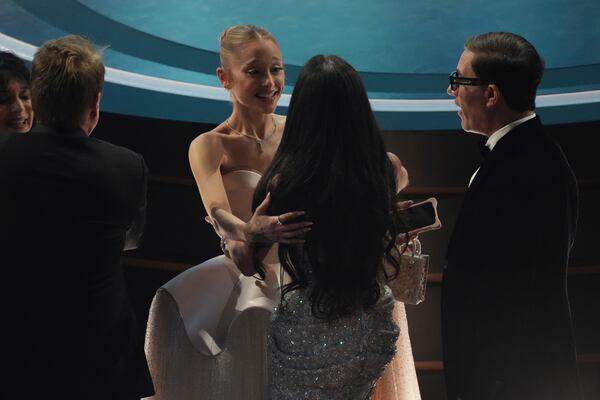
(332,164)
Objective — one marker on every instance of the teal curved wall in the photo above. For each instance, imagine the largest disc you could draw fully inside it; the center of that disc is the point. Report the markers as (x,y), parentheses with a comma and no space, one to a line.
(162,55)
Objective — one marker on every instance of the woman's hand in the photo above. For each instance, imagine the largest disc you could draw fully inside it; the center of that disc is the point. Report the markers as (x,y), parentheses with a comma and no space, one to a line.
(277,228)
(241,255)
(404,204)
(402,238)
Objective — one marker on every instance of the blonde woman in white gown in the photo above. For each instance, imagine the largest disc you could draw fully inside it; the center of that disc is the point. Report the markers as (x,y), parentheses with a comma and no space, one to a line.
(207,328)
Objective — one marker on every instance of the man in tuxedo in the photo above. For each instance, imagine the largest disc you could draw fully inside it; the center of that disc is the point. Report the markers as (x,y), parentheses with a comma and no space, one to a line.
(506,322)
(69,205)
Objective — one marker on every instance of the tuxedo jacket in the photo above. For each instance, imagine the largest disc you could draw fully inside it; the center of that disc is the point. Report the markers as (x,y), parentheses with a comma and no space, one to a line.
(69,205)
(506,323)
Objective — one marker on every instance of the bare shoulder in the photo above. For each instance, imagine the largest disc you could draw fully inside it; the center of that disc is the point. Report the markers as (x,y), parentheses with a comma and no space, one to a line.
(401,172)
(211,141)
(396,163)
(279,119)
(207,148)
(279,122)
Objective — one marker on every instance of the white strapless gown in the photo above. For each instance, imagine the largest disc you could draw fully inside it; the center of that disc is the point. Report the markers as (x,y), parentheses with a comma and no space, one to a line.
(207,329)
(399,380)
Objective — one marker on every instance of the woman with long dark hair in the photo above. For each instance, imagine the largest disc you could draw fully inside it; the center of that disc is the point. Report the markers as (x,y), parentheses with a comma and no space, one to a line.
(333,332)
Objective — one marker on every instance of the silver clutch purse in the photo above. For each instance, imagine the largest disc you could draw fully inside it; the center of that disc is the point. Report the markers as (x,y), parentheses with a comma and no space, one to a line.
(410,284)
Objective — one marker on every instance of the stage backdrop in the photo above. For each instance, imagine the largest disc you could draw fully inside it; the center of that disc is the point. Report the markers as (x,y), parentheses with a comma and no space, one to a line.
(163,54)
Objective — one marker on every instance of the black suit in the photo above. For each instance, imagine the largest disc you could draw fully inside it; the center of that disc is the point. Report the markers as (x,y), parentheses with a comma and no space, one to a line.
(69,205)
(505,314)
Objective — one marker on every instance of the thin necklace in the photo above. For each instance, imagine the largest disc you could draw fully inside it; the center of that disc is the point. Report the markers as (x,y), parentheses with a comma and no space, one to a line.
(258,140)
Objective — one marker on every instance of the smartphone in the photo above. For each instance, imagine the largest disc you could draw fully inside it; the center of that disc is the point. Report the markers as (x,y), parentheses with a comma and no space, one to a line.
(419,217)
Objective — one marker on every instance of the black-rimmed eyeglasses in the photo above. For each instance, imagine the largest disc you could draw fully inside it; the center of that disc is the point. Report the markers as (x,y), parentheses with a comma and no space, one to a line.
(456,81)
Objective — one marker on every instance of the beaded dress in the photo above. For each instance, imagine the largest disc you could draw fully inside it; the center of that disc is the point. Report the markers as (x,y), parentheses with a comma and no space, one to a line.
(313,358)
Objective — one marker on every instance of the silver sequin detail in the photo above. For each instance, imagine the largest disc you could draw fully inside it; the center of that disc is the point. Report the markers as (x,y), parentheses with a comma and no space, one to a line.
(340,359)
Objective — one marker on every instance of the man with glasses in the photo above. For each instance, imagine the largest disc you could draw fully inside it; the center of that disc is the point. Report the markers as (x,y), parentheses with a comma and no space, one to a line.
(505,314)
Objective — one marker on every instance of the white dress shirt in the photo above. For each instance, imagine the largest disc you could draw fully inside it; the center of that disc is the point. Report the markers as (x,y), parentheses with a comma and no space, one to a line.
(499,134)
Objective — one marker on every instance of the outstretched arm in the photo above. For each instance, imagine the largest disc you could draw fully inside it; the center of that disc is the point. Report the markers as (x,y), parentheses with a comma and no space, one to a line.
(205,155)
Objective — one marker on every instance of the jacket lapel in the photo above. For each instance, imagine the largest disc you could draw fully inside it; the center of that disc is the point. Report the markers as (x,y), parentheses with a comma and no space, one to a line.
(503,148)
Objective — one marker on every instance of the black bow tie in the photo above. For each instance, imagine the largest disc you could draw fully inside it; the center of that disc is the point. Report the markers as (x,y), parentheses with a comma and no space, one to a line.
(484,150)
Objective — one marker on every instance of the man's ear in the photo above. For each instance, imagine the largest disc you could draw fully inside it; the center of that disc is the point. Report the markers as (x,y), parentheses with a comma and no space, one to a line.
(93,115)
(95,111)
(492,95)
(223,77)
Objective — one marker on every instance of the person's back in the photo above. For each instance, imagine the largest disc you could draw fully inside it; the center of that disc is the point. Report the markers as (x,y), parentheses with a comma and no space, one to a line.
(66,227)
(70,205)
(333,332)
(342,358)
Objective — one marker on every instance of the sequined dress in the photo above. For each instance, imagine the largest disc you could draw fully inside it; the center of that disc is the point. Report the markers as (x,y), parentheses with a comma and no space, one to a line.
(342,359)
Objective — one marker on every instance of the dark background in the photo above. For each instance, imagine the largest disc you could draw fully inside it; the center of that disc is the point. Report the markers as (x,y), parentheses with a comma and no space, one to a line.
(439,163)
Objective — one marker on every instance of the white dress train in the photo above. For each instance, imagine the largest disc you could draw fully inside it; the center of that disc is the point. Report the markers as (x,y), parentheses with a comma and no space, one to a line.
(399,380)
(207,329)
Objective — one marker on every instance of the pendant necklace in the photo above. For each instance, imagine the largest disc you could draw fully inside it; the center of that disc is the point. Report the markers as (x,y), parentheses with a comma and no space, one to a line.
(258,140)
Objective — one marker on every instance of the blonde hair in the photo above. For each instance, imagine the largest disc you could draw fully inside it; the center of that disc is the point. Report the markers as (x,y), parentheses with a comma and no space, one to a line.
(66,75)
(236,36)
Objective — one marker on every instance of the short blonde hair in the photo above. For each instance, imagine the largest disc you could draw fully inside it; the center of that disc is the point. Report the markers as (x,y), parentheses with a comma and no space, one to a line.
(66,75)
(236,36)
